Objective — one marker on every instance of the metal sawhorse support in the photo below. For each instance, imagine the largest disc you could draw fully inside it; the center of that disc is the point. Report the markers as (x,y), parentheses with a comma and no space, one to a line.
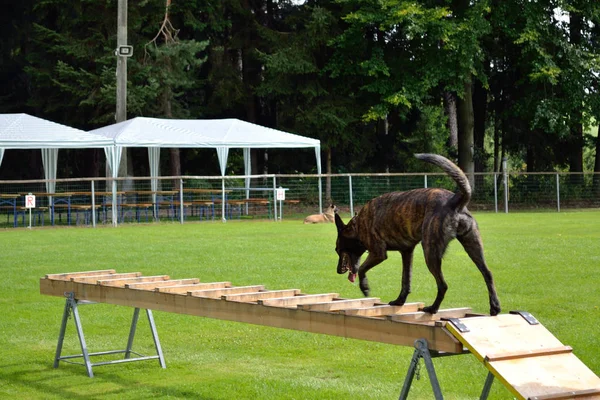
(422,351)
(71,306)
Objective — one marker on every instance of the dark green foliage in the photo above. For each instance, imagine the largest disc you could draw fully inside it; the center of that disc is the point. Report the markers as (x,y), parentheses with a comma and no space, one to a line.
(365,77)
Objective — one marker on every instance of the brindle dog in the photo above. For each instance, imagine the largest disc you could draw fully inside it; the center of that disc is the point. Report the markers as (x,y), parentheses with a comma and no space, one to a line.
(400,220)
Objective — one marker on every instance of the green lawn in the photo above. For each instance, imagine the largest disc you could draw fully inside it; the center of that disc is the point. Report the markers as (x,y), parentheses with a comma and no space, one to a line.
(544,263)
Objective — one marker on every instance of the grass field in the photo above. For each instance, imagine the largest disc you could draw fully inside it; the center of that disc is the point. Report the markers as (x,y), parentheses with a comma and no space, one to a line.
(544,263)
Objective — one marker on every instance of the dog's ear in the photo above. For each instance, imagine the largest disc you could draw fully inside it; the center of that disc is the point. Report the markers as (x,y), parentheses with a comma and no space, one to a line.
(339,224)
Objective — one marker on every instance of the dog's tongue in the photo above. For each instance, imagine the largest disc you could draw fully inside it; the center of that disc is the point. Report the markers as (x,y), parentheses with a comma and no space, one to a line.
(351,276)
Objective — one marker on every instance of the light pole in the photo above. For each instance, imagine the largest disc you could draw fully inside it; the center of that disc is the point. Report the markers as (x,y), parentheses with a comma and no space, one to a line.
(123,52)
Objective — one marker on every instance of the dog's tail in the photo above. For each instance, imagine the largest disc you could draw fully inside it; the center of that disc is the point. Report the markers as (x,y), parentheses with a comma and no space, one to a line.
(463,196)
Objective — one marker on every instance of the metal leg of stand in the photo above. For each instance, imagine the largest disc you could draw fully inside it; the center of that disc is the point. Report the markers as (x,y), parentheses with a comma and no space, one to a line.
(421,351)
(487,386)
(161,358)
(84,350)
(61,335)
(134,320)
(71,307)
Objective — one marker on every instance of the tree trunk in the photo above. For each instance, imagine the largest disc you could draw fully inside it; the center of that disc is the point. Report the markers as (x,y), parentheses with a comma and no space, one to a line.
(452,123)
(465,133)
(479,118)
(498,107)
(328,180)
(596,182)
(576,142)
(174,153)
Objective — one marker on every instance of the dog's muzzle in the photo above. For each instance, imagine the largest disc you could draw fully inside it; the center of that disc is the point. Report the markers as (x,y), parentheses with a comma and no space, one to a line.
(345,265)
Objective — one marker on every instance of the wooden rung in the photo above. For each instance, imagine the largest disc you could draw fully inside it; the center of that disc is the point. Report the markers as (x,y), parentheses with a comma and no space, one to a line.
(95,278)
(300,299)
(384,310)
(123,281)
(421,316)
(527,354)
(567,395)
(154,285)
(68,275)
(269,294)
(217,293)
(184,289)
(336,305)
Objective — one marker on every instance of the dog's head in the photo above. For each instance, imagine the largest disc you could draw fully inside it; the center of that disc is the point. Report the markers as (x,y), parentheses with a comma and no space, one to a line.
(348,247)
(332,209)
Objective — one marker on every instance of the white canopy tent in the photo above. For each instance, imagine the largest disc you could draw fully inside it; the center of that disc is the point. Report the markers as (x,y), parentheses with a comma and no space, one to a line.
(220,134)
(23,131)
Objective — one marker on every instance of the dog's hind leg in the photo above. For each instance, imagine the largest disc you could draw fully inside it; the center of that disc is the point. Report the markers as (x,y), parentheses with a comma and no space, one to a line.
(407,261)
(433,259)
(473,245)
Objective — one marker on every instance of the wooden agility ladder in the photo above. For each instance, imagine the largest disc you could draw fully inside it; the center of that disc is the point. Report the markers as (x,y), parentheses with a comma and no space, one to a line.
(515,348)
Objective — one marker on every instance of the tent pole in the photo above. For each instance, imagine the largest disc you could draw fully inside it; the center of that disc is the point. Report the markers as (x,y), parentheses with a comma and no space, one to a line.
(223,199)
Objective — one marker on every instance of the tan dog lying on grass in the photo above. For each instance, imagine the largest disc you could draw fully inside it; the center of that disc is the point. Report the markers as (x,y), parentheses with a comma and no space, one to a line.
(327,217)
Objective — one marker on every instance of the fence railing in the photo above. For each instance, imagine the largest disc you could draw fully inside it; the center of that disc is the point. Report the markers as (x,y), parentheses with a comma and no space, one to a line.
(187,197)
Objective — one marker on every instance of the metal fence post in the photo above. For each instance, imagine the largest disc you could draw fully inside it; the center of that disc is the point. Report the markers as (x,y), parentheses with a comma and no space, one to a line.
(505,180)
(93,205)
(351,198)
(181,200)
(275,198)
(425,181)
(557,192)
(496,192)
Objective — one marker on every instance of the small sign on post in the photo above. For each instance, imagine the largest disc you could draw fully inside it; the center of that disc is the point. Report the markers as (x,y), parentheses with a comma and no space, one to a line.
(280,194)
(30,201)
(29,204)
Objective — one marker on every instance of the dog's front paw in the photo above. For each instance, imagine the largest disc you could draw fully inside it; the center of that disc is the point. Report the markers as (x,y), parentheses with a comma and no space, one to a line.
(364,287)
(430,310)
(396,302)
(495,310)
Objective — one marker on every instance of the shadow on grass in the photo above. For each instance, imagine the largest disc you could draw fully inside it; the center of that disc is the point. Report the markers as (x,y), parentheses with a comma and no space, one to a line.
(40,381)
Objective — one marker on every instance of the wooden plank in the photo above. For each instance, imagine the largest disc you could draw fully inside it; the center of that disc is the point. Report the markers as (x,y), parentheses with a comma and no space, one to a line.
(531,353)
(123,281)
(421,316)
(341,304)
(68,275)
(337,324)
(154,285)
(95,278)
(268,294)
(294,301)
(577,394)
(384,309)
(217,293)
(525,377)
(549,376)
(503,334)
(184,289)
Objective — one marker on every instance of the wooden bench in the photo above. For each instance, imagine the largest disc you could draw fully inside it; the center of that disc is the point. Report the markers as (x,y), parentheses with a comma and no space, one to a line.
(238,203)
(37,213)
(85,210)
(137,208)
(203,207)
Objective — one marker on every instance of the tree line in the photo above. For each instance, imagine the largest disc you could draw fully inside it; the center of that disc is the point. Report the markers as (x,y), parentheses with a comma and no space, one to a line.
(374,80)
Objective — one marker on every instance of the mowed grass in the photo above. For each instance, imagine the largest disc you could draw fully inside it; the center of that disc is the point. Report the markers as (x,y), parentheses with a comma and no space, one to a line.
(544,263)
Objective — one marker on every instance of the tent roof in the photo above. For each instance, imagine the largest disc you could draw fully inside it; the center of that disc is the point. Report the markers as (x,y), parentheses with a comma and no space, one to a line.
(23,131)
(212,133)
